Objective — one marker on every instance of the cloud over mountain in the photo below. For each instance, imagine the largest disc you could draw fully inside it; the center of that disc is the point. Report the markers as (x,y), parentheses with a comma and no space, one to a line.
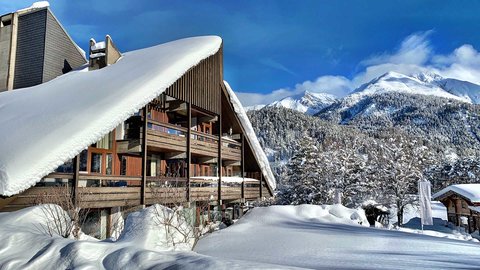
(415,54)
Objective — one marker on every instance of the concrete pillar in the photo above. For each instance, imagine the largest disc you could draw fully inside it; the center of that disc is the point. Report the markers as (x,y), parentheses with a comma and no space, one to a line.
(115,222)
(103,223)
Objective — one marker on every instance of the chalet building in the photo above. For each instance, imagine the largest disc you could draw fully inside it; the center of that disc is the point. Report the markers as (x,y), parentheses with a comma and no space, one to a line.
(34,48)
(158,126)
(463,205)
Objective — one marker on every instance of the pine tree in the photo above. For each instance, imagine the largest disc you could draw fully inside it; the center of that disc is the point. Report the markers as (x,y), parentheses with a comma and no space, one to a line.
(302,185)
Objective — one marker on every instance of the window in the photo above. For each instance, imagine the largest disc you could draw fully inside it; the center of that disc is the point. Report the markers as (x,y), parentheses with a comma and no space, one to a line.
(6,23)
(106,142)
(123,166)
(83,161)
(96,163)
(109,162)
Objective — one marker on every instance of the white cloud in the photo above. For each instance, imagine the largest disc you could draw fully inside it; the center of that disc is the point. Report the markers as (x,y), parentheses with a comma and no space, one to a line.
(414,50)
(414,55)
(335,85)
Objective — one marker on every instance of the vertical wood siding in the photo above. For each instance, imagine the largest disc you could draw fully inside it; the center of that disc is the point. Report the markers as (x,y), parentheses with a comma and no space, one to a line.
(30,49)
(60,51)
(201,84)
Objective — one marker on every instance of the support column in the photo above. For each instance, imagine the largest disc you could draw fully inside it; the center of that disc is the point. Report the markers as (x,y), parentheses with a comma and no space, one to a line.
(189,150)
(261,185)
(144,155)
(242,164)
(219,160)
(76,173)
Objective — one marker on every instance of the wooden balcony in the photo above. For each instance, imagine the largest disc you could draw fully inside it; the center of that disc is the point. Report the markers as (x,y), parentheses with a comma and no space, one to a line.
(166,137)
(103,192)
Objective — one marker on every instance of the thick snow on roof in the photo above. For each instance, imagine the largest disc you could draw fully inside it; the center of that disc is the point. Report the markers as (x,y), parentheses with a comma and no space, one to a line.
(43,126)
(98,46)
(469,191)
(251,137)
(36,5)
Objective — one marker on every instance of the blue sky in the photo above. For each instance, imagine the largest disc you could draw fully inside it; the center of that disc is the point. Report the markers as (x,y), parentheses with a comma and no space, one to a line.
(278,48)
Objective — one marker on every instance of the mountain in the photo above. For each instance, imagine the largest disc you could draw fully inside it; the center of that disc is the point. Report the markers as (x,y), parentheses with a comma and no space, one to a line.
(439,111)
(306,102)
(417,84)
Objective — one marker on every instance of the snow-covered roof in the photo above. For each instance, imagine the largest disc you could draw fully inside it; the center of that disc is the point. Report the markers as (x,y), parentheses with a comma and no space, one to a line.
(43,126)
(98,46)
(469,191)
(96,55)
(474,208)
(251,137)
(36,5)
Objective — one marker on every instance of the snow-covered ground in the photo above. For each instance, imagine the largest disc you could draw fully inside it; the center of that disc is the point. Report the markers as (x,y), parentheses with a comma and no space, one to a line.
(275,237)
(24,245)
(326,237)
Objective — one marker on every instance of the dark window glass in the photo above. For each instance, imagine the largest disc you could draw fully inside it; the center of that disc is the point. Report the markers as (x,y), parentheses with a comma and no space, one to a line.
(123,166)
(96,163)
(109,166)
(83,161)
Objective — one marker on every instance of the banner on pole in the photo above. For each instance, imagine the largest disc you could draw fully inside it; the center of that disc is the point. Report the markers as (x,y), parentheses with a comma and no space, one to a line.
(424,199)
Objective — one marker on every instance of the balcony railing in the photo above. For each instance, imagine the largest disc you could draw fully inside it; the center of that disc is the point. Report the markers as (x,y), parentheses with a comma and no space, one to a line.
(100,191)
(170,137)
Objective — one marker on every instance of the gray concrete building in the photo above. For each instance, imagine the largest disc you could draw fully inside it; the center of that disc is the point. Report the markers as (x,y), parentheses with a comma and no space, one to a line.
(35,48)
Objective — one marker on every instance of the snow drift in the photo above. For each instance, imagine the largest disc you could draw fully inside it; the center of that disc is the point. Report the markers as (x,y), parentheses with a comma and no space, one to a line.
(23,245)
(330,237)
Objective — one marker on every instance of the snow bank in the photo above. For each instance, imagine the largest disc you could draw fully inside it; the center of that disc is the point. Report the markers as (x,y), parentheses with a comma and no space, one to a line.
(251,137)
(71,112)
(469,191)
(24,246)
(304,236)
(146,229)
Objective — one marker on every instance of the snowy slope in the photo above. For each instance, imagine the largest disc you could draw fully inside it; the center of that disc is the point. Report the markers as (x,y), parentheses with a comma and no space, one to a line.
(306,102)
(396,82)
(304,236)
(71,112)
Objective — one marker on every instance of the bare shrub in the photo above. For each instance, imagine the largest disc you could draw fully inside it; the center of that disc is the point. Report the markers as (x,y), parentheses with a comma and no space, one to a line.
(59,212)
(181,225)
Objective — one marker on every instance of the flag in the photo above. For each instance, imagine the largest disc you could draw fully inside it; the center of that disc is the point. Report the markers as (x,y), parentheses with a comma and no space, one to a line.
(424,197)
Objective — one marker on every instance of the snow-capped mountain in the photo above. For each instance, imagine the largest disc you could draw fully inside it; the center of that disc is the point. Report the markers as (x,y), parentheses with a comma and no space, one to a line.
(307,102)
(417,84)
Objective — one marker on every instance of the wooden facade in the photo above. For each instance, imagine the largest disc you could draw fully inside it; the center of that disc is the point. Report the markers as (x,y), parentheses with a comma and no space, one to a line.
(175,150)
(461,211)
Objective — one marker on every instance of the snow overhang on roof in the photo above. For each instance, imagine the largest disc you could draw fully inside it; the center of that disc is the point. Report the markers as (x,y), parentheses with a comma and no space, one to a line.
(43,126)
(469,191)
(251,137)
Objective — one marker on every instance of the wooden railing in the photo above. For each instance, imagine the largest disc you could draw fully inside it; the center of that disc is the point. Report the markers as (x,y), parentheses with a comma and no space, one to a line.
(105,194)
(231,150)
(173,138)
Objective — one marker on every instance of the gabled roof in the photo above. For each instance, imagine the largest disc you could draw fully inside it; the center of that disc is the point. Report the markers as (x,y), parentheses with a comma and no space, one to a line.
(468,191)
(43,126)
(251,137)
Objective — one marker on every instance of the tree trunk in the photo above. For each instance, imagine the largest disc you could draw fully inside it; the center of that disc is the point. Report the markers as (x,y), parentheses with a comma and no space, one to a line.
(399,214)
